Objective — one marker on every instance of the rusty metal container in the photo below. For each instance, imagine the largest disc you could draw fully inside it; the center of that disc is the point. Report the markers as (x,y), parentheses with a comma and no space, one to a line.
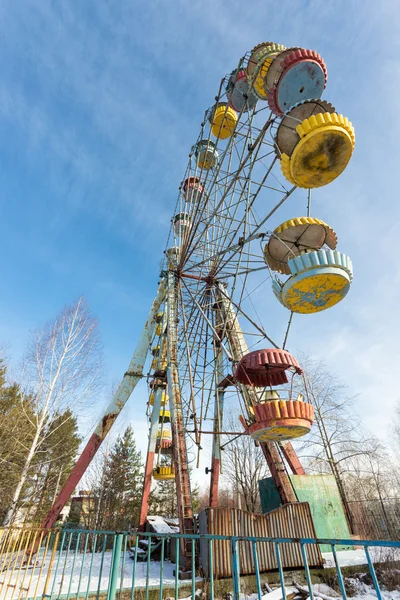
(288,521)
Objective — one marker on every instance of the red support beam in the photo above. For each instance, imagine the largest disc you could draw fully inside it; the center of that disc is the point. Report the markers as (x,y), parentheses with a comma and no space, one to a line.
(214,485)
(278,472)
(181,467)
(291,458)
(148,476)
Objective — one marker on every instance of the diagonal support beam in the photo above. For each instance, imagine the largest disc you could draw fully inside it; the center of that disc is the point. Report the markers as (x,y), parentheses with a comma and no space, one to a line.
(218,418)
(125,389)
(238,347)
(291,458)
(151,450)
(182,480)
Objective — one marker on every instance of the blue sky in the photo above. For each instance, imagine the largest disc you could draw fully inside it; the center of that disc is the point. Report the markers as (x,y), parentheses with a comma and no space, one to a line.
(100,103)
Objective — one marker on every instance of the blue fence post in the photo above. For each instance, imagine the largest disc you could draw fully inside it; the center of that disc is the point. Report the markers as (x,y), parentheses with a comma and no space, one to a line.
(78,539)
(339,573)
(235,569)
(193,569)
(211,568)
(162,567)
(149,544)
(134,567)
(373,574)
(307,570)
(257,570)
(121,585)
(279,561)
(102,562)
(116,559)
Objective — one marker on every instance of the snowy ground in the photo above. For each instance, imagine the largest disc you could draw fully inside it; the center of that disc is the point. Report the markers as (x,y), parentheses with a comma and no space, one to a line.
(72,576)
(92,573)
(358,557)
(346,558)
(364,592)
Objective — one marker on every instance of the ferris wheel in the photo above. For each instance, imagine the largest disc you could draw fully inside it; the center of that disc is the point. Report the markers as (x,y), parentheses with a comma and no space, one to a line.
(267,134)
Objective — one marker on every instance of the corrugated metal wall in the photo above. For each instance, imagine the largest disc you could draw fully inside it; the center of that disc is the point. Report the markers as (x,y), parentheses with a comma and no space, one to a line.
(288,521)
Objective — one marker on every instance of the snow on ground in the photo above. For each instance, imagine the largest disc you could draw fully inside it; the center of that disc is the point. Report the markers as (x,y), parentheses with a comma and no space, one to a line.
(159,525)
(367,592)
(358,557)
(364,592)
(73,575)
(345,558)
(92,572)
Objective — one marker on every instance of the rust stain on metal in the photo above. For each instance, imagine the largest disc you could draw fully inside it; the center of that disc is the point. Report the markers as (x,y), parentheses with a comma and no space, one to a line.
(278,472)
(182,481)
(239,348)
(292,458)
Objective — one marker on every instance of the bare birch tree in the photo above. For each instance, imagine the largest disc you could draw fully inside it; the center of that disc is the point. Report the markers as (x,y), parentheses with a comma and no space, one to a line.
(60,371)
(337,437)
(243,466)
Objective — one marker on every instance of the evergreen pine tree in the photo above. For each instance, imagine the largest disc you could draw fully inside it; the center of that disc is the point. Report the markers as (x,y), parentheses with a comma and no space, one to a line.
(53,462)
(121,484)
(16,431)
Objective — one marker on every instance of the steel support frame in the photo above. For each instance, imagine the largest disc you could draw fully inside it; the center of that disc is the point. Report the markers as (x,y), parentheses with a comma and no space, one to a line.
(238,347)
(151,450)
(125,389)
(291,458)
(181,467)
(218,418)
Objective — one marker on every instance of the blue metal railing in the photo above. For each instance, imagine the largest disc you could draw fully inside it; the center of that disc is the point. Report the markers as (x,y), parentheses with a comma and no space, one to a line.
(86,564)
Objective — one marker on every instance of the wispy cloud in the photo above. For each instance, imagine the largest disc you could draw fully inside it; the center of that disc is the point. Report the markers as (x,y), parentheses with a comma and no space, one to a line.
(101,102)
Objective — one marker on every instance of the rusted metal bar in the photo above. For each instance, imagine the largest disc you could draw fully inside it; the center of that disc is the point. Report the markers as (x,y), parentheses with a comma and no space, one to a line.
(238,348)
(230,327)
(181,467)
(278,472)
(148,472)
(291,458)
(190,276)
(218,417)
(219,432)
(190,374)
(228,381)
(129,381)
